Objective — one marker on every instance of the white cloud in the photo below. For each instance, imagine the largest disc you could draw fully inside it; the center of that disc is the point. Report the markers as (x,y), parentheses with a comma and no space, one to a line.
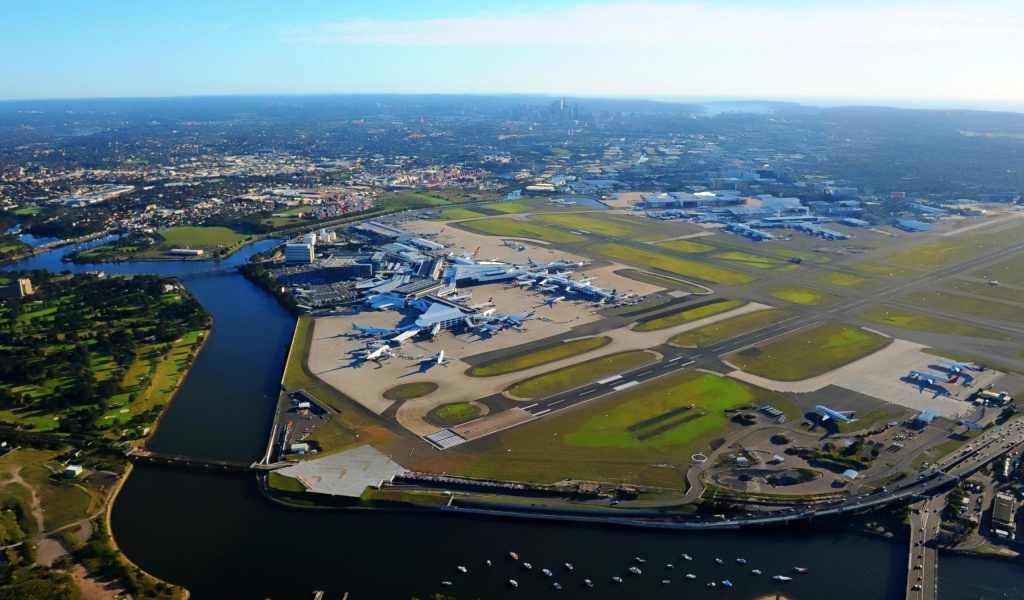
(689,24)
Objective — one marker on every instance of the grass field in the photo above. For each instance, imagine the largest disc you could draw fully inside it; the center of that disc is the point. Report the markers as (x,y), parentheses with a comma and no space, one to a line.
(728,328)
(937,254)
(658,280)
(626,437)
(521,206)
(808,352)
(754,261)
(409,391)
(459,213)
(885,314)
(63,501)
(594,224)
(456,411)
(999,292)
(567,378)
(678,266)
(685,315)
(966,304)
(686,246)
(540,356)
(884,270)
(802,295)
(845,280)
(514,228)
(1010,271)
(199,237)
(410,200)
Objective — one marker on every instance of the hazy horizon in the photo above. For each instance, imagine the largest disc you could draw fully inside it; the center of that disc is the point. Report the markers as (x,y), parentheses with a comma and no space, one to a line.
(893,53)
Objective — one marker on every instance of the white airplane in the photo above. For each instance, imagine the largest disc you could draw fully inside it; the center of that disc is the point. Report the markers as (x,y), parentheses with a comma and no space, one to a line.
(547,288)
(933,378)
(586,280)
(382,352)
(827,413)
(438,359)
(993,282)
(959,367)
(553,301)
(462,298)
(489,303)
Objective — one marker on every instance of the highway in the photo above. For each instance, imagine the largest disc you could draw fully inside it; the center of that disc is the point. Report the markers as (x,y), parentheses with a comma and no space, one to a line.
(923,560)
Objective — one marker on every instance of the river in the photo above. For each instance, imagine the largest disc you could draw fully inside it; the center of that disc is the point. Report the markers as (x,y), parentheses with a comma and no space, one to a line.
(217,536)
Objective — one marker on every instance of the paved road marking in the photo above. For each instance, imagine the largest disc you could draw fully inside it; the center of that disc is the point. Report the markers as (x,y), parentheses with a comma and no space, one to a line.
(626,385)
(546,410)
(530,406)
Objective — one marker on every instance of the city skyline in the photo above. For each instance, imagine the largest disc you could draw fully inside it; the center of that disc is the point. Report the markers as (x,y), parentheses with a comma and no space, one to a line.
(901,53)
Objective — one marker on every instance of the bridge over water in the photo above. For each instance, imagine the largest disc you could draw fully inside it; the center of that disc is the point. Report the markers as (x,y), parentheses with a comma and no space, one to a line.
(164,458)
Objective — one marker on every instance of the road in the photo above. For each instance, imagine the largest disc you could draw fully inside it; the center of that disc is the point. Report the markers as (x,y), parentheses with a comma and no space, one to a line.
(923,560)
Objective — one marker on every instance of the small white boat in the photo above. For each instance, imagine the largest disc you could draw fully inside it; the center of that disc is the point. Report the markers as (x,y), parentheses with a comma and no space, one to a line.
(557,586)
(462,568)
(639,560)
(568,566)
(711,584)
(446,583)
(514,555)
(488,563)
(527,566)
(588,583)
(617,579)
(756,571)
(687,557)
(741,561)
(666,581)
(782,578)
(635,571)
(691,576)
(513,583)
(547,572)
(670,566)
(727,583)
(719,561)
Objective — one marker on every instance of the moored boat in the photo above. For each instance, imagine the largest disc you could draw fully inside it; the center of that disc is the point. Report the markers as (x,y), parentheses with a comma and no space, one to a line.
(588,583)
(666,581)
(446,583)
(617,579)
(691,576)
(727,583)
(462,568)
(514,555)
(568,566)
(711,584)
(639,560)
(719,561)
(756,571)
(557,586)
(527,565)
(800,569)
(635,571)
(488,563)
(547,572)
(741,561)
(513,583)
(782,578)
(670,566)
(686,557)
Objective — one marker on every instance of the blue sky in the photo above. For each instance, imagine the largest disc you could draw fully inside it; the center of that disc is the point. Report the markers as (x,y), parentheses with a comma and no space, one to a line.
(898,49)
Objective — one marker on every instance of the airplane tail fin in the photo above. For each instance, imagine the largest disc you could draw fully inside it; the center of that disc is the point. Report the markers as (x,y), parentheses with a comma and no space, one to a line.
(476,252)
(355,327)
(515,283)
(954,379)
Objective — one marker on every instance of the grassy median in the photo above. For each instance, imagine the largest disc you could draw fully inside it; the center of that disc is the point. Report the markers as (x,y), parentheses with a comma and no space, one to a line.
(672,264)
(540,356)
(809,352)
(501,226)
(729,328)
(687,314)
(576,375)
(886,314)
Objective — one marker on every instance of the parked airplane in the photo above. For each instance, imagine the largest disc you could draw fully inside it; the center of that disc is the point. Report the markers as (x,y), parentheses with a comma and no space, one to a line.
(993,282)
(517,319)
(969,424)
(933,378)
(489,303)
(375,331)
(553,301)
(462,298)
(958,367)
(827,413)
(438,359)
(382,352)
(547,288)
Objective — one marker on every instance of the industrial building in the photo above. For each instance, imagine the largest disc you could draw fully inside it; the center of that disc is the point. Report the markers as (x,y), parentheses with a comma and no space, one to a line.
(298,254)
(18,289)
(1002,516)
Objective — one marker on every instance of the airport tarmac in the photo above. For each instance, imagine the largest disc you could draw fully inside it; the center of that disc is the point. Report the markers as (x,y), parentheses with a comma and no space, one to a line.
(883,375)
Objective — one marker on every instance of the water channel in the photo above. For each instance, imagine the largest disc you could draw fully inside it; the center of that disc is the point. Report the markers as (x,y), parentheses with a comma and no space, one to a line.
(217,536)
